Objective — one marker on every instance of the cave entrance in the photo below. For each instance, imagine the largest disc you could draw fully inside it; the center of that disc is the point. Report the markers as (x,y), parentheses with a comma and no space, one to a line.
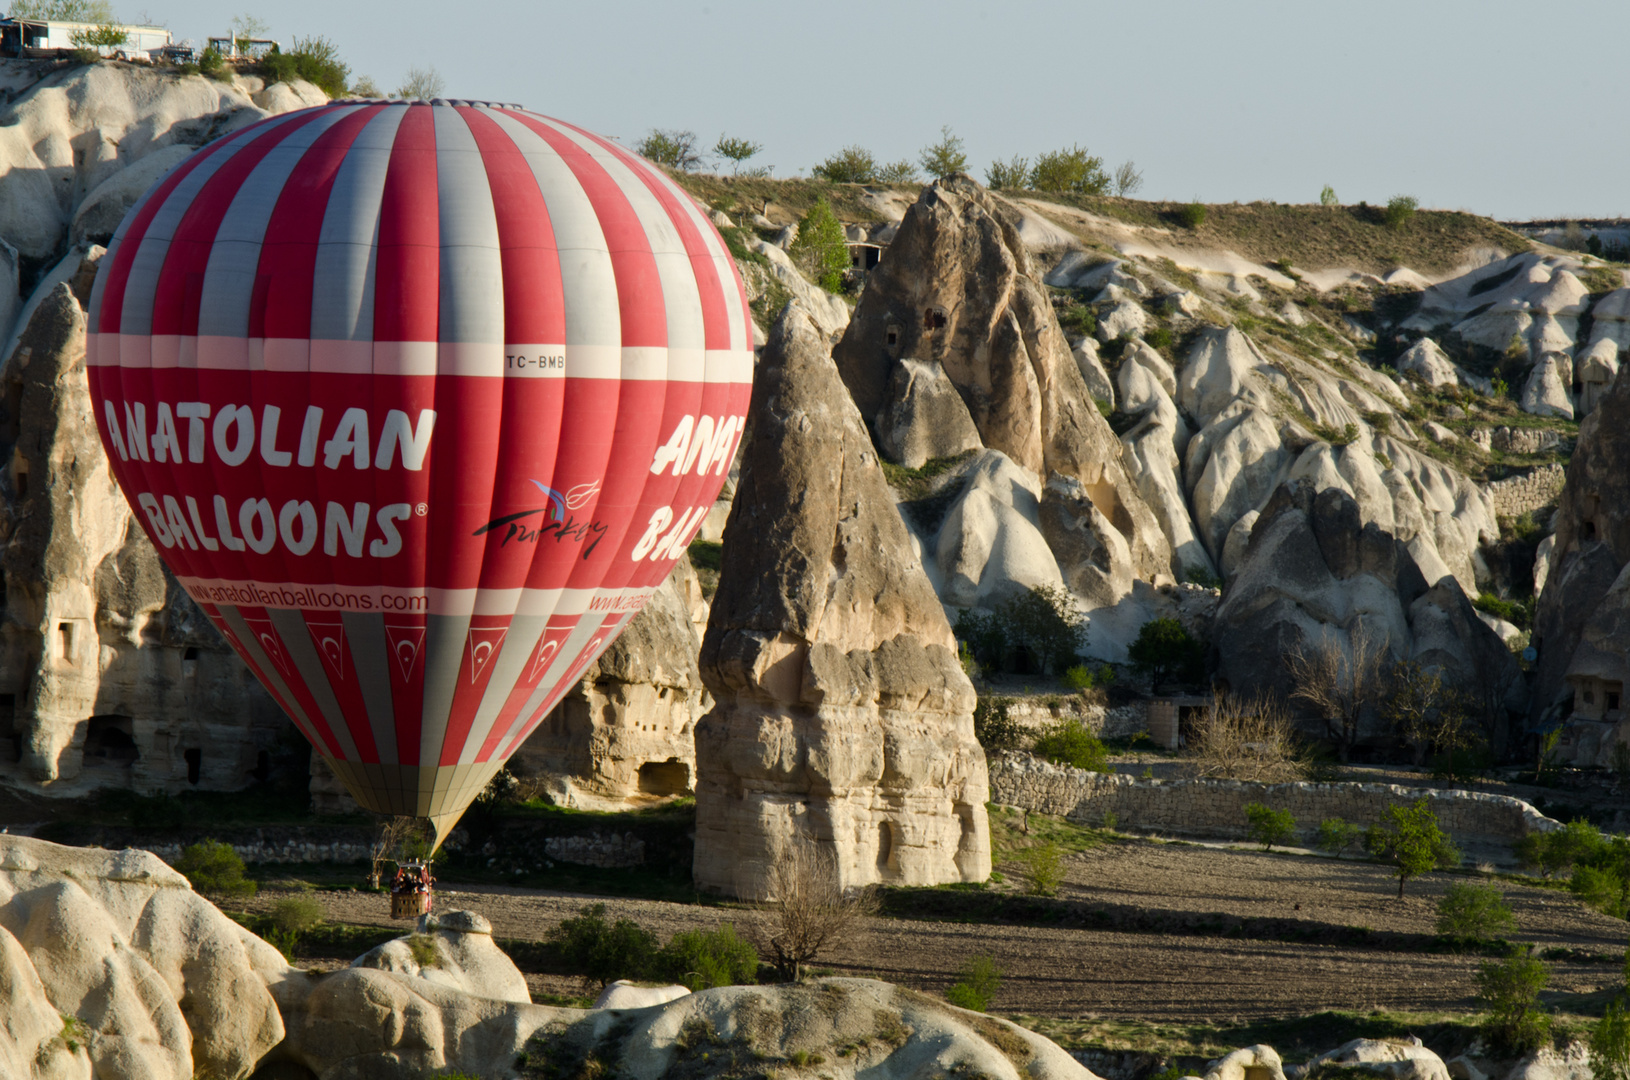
(194,758)
(110,738)
(671,777)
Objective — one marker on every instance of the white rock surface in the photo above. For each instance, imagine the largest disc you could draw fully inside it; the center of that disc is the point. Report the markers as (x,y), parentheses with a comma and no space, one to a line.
(466,959)
(1092,370)
(1547,391)
(163,985)
(1428,361)
(990,543)
(828,312)
(623,994)
(1124,317)
(1391,1058)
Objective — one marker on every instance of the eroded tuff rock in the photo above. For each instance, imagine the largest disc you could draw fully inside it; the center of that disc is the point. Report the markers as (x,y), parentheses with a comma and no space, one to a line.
(841,714)
(160,984)
(114,677)
(958,288)
(1315,572)
(1582,623)
(625,734)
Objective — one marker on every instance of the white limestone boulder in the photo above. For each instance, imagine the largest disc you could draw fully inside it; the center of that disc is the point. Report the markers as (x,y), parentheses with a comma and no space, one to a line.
(990,544)
(1547,392)
(623,994)
(1427,360)
(1125,317)
(1394,1059)
(1092,370)
(464,957)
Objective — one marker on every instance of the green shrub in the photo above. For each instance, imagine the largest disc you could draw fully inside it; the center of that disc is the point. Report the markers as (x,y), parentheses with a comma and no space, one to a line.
(944,157)
(1410,839)
(215,869)
(1079,677)
(1192,214)
(1070,169)
(423,949)
(213,64)
(1007,174)
(1327,197)
(701,959)
(1554,852)
(1610,1043)
(1165,649)
(1509,989)
(1267,826)
(1474,912)
(851,165)
(1042,867)
(1160,337)
(994,726)
(1336,836)
(1070,742)
(1400,211)
(601,951)
(1041,623)
(314,59)
(980,980)
(898,172)
(820,249)
(1599,888)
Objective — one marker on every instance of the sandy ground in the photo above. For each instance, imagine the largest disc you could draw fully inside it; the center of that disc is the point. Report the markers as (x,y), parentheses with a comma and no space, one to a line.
(1150,976)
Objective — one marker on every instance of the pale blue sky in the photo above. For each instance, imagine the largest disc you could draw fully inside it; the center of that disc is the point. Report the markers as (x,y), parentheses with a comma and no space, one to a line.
(1513,109)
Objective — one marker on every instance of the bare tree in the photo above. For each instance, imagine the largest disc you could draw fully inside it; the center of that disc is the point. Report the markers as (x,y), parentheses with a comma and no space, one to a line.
(1339,683)
(1246,738)
(389,837)
(423,83)
(1428,713)
(1128,179)
(807,908)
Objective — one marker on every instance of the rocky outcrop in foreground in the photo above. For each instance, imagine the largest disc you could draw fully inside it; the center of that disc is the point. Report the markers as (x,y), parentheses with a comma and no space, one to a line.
(111,966)
(842,715)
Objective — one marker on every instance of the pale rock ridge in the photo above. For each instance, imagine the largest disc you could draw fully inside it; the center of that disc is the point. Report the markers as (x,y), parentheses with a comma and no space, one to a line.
(991,544)
(161,984)
(958,287)
(464,958)
(841,714)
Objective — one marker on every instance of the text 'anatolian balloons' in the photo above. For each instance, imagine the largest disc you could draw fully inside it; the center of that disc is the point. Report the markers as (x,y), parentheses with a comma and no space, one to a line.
(420,403)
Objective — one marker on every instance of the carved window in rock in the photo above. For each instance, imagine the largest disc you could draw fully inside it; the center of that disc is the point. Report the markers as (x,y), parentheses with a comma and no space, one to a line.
(934,318)
(664,778)
(194,758)
(110,738)
(888,860)
(65,642)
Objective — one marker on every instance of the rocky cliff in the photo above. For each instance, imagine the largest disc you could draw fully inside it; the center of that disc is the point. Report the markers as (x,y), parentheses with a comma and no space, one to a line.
(841,715)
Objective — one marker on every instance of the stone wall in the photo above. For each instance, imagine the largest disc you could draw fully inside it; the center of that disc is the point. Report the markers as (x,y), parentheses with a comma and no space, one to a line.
(1215,809)
(1533,490)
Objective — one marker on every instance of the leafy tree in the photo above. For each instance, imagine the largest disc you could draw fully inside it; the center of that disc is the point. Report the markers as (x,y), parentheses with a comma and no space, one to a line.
(1267,826)
(1043,869)
(214,868)
(851,165)
(702,959)
(899,172)
(602,951)
(317,61)
(1070,742)
(1335,836)
(1192,214)
(1551,853)
(105,36)
(422,84)
(1071,169)
(1165,649)
(994,726)
(1410,839)
(1400,211)
(1474,912)
(86,11)
(1000,175)
(213,64)
(365,87)
(820,249)
(1128,179)
(736,151)
(945,157)
(245,27)
(979,981)
(673,148)
(1610,1043)
(1327,197)
(1509,989)
(1044,622)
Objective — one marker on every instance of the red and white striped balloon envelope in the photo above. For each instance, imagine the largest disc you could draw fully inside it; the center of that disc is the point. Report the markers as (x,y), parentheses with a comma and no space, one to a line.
(420,403)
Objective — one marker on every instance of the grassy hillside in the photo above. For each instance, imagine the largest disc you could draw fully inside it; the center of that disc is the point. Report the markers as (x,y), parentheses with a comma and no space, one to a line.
(1310,237)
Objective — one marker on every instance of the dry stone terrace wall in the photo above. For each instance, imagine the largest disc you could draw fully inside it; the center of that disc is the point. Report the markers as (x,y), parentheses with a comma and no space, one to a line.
(1518,495)
(1215,809)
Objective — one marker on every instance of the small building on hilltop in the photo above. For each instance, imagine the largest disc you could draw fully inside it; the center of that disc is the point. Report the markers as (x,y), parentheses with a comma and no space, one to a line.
(24,37)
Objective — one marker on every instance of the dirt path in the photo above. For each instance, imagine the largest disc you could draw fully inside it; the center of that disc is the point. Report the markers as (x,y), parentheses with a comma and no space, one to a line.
(1072,973)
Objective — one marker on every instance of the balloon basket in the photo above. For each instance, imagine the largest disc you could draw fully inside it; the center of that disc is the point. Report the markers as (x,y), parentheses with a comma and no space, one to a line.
(409,905)
(410,892)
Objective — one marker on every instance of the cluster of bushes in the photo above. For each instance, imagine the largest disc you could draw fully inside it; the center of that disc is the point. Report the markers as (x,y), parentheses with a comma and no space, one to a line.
(603,951)
(1037,630)
(314,59)
(1598,866)
(1408,837)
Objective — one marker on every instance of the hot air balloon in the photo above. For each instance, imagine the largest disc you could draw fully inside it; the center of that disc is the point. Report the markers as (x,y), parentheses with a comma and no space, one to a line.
(419,402)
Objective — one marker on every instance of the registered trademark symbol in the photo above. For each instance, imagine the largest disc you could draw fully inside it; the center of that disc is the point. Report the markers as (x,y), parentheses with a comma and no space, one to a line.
(422,509)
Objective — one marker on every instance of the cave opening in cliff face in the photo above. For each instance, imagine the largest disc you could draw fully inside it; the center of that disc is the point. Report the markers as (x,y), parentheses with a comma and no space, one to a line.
(111,739)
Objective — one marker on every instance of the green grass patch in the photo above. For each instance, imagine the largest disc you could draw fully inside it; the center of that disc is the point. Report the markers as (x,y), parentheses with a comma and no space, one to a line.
(915,483)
